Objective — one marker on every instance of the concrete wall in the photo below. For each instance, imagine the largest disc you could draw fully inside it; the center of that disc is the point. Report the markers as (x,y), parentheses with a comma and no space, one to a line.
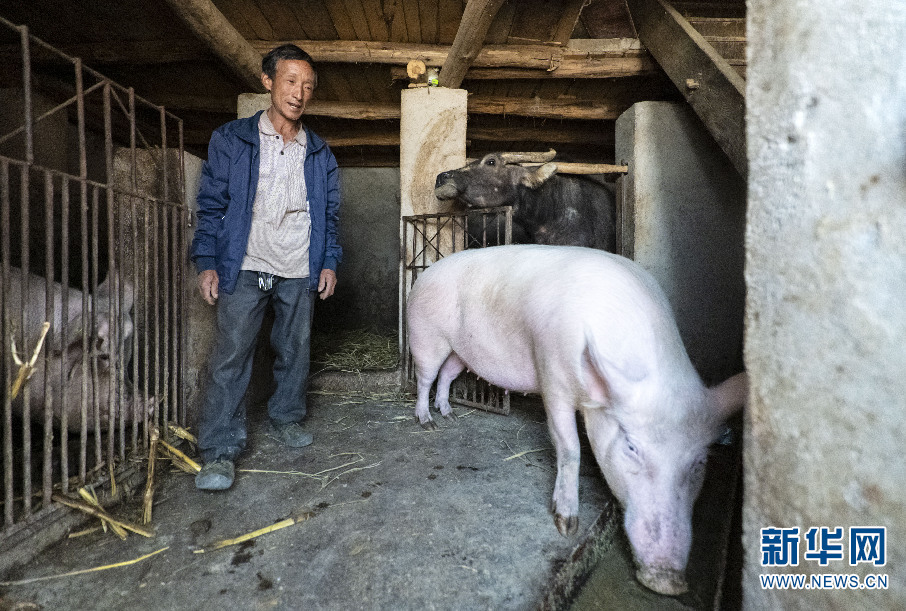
(367,294)
(684,219)
(826,278)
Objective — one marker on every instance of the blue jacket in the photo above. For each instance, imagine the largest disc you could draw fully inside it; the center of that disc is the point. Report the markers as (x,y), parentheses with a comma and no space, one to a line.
(229,179)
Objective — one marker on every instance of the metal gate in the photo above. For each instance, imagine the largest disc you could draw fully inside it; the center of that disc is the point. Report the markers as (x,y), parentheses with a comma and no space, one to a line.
(428,238)
(93,218)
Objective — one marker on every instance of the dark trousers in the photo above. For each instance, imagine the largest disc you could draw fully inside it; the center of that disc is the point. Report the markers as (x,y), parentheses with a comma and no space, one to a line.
(222,423)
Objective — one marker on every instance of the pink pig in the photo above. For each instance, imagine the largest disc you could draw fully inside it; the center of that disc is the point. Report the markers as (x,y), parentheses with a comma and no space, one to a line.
(591,332)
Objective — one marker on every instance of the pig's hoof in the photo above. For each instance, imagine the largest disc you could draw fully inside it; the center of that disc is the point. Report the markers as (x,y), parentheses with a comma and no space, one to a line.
(566,525)
(428,425)
(451,417)
(669,582)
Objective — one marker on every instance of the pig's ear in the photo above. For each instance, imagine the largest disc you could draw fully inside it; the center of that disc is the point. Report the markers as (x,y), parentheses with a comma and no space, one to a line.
(535,179)
(731,395)
(607,381)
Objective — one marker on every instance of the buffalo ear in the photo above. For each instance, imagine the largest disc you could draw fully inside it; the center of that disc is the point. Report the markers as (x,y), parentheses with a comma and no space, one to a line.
(731,395)
(539,176)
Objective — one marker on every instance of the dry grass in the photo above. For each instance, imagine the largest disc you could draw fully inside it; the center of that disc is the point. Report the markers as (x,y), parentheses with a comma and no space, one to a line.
(354,351)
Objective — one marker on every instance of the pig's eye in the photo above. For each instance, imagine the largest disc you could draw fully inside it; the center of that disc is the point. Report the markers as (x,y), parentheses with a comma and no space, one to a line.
(632,451)
(491,162)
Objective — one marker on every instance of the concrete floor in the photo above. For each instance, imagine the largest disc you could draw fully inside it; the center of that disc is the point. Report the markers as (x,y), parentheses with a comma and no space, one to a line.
(402,519)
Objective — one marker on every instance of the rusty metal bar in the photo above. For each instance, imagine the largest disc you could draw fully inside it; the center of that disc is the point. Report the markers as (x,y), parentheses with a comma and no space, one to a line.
(155,275)
(146,339)
(137,285)
(116,288)
(92,325)
(64,331)
(47,475)
(164,321)
(185,222)
(26,393)
(7,404)
(83,217)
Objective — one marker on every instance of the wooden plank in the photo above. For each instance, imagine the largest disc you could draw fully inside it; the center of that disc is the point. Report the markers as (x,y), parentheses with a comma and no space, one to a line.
(500,29)
(314,18)
(377,21)
(475,22)
(282,19)
(398,33)
(712,88)
(341,21)
(536,21)
(256,19)
(427,11)
(413,21)
(360,23)
(449,14)
(232,10)
(568,20)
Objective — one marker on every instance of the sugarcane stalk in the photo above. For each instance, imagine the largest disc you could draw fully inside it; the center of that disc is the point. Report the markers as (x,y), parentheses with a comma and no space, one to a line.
(100,513)
(149,485)
(28,367)
(92,499)
(182,457)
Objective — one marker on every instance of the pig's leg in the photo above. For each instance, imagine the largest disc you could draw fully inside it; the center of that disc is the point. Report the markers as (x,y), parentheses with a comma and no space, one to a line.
(448,372)
(426,369)
(561,419)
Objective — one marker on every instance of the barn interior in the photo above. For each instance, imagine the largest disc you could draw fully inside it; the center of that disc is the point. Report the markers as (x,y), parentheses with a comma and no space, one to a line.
(757,153)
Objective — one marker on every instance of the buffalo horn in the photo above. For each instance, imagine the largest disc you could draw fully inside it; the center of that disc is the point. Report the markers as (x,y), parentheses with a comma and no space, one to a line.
(528,157)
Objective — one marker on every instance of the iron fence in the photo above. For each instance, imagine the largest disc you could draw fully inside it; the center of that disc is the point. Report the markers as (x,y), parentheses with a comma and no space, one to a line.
(426,238)
(92,221)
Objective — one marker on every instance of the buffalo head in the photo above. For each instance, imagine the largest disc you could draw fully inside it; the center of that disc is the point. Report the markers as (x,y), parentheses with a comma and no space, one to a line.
(494,180)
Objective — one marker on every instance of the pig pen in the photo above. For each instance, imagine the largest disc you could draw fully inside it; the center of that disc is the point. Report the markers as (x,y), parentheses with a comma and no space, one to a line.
(390,517)
(90,255)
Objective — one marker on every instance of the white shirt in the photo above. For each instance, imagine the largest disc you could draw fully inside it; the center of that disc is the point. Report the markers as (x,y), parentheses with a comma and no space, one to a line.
(281,225)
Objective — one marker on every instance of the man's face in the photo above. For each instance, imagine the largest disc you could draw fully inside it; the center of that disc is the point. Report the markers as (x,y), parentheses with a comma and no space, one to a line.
(291,88)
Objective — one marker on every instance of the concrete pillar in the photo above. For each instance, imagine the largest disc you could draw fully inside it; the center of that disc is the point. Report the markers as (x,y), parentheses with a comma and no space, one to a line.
(683,221)
(432,140)
(826,278)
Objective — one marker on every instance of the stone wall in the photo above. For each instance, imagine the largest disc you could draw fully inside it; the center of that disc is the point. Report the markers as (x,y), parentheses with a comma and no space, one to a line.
(826,282)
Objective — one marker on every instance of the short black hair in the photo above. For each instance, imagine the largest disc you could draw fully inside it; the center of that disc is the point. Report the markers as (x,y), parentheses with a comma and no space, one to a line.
(287,51)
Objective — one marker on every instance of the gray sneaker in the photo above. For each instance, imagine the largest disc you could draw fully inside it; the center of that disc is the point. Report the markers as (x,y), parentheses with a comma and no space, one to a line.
(291,434)
(217,475)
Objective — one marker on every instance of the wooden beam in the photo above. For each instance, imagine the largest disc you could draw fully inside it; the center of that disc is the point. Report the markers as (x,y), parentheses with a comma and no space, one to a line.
(713,89)
(215,30)
(584,68)
(568,19)
(476,19)
(564,108)
(574,58)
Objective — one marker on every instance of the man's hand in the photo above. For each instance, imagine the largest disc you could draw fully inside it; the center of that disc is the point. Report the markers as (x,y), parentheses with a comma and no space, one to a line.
(208,284)
(327,283)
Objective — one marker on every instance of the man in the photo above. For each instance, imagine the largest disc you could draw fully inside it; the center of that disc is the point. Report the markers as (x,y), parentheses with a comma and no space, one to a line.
(268,212)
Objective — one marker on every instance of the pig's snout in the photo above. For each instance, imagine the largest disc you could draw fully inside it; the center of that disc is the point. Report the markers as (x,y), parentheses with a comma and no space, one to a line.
(660,546)
(669,582)
(445,187)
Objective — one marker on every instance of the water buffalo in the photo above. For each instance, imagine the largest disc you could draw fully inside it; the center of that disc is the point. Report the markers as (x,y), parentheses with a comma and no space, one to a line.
(548,208)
